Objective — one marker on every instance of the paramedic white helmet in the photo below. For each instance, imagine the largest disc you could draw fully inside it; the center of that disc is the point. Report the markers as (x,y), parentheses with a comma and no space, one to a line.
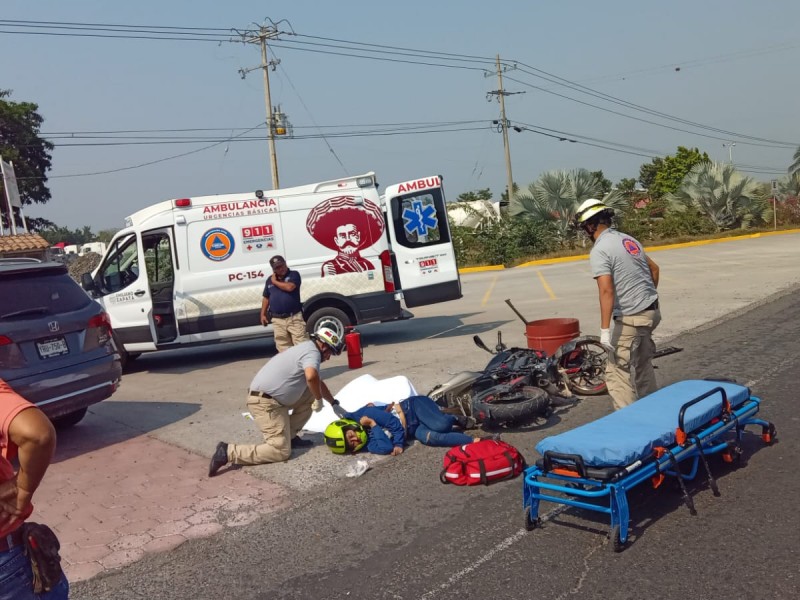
(589,209)
(330,338)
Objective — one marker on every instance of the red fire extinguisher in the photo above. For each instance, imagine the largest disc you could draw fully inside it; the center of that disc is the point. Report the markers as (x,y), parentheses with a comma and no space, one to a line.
(355,354)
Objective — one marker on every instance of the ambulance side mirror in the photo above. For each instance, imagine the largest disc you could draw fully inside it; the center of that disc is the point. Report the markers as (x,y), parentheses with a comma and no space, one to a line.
(87,283)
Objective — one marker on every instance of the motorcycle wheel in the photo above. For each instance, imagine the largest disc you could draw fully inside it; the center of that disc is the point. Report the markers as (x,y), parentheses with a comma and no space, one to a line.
(524,404)
(585,368)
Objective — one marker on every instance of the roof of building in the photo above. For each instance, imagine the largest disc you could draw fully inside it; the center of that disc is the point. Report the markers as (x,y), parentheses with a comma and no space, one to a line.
(22,242)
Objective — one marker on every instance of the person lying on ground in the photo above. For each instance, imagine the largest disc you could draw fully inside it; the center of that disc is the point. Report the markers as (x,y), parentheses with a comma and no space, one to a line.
(385,429)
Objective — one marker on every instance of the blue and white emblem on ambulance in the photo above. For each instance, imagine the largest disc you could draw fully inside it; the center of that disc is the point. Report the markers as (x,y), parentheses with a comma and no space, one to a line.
(217,244)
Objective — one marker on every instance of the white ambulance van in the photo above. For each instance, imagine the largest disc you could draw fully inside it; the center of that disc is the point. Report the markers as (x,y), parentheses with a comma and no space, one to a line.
(192,271)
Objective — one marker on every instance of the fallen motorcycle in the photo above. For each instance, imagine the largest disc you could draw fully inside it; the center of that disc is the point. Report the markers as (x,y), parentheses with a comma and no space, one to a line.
(521,385)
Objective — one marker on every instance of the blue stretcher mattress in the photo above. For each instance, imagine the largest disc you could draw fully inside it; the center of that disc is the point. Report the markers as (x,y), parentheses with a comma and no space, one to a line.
(625,436)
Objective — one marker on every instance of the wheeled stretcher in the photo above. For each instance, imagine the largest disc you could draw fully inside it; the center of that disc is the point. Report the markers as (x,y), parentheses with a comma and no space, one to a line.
(594,466)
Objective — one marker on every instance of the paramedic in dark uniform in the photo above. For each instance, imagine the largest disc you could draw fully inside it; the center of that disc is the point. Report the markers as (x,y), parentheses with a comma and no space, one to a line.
(281,305)
(627,280)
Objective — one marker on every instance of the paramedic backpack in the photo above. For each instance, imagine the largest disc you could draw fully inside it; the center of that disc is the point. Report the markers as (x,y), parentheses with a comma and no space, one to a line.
(481,462)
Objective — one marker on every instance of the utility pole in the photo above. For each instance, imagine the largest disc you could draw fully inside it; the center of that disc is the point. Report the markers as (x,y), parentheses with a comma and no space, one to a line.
(729,146)
(502,126)
(266,32)
(273,157)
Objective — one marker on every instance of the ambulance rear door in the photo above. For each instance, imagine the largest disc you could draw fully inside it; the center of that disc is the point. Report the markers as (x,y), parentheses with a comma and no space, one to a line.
(420,237)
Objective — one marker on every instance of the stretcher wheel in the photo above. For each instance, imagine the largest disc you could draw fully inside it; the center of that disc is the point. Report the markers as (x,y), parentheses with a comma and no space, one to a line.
(616,544)
(531,523)
(768,434)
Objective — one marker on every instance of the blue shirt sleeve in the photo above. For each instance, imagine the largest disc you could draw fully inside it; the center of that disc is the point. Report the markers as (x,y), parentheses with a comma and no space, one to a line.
(378,442)
(293,277)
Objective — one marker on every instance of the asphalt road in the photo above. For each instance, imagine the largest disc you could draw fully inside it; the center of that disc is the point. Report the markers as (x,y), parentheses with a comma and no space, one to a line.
(396,532)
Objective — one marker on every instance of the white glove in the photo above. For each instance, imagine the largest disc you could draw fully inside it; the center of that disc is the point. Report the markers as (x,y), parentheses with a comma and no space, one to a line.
(605,337)
(337,408)
(317,404)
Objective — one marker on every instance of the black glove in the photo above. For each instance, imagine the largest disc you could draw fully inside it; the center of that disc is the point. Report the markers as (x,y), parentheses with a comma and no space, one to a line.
(41,548)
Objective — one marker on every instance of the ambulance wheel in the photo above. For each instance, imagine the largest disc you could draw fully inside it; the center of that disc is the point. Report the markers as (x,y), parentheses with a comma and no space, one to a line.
(530,522)
(616,544)
(330,317)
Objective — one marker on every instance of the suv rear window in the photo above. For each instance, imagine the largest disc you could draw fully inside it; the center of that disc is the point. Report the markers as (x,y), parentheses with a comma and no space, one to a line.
(56,292)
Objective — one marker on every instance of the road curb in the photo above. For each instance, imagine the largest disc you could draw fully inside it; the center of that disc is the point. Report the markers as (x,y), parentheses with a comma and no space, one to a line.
(563,259)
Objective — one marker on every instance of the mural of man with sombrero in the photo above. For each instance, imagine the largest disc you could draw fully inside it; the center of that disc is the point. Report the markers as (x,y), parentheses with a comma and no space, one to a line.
(348,226)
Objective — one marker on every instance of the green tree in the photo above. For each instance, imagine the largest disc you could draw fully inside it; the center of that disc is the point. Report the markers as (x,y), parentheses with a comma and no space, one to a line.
(722,194)
(21,144)
(556,195)
(484,194)
(105,235)
(79,236)
(673,169)
(794,168)
(647,172)
(605,184)
(626,185)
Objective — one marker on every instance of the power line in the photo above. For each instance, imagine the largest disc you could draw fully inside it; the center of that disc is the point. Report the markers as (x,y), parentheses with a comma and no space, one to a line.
(539,73)
(642,120)
(145,164)
(16,21)
(386,53)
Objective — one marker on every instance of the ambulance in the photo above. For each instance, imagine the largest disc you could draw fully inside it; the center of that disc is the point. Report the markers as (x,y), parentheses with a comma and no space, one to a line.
(191,271)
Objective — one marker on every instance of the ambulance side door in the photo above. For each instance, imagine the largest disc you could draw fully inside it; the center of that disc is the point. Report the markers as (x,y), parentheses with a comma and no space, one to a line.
(423,249)
(122,282)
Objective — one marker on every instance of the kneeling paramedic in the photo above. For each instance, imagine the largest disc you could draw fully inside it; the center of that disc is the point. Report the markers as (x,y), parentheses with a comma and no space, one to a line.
(385,429)
(290,381)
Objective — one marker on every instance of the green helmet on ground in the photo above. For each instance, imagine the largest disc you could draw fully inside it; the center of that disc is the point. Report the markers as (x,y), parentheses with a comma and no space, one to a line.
(335,436)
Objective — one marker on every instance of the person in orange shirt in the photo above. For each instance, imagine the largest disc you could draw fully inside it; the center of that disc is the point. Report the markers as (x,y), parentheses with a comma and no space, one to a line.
(27,434)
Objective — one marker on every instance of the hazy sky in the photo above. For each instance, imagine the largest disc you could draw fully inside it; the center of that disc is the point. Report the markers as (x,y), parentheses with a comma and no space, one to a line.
(728,66)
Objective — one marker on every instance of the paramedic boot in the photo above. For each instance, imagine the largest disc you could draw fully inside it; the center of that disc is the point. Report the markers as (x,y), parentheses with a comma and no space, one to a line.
(298,442)
(219,460)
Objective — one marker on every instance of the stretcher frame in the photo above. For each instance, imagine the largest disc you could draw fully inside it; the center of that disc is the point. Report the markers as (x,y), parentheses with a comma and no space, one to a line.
(567,474)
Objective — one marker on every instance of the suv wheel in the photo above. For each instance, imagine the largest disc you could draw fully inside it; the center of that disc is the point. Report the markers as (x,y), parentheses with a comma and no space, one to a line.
(69,419)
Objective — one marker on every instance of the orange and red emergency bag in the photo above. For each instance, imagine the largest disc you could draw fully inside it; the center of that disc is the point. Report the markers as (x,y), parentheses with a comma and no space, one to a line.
(481,462)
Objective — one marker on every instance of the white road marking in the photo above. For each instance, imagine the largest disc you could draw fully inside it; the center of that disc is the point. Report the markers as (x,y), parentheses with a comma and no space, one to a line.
(504,545)
(430,337)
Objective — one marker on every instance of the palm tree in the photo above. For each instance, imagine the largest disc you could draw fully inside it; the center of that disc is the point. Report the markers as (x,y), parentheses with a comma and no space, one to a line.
(789,187)
(794,168)
(556,195)
(724,195)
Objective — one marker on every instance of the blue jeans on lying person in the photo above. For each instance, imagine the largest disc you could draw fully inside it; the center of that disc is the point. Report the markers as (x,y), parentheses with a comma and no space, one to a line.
(16,579)
(428,424)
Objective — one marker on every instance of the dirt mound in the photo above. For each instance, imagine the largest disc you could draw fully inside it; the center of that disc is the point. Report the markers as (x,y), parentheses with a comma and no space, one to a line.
(83,264)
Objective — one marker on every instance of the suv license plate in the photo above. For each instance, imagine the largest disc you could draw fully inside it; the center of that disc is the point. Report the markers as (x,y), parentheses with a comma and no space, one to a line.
(52,347)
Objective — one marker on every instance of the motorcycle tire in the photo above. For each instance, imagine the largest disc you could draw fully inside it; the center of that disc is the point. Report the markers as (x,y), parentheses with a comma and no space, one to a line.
(584,367)
(526,403)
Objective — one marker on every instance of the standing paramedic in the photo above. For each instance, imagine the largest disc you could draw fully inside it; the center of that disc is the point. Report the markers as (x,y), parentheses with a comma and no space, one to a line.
(627,280)
(290,381)
(281,305)
(24,430)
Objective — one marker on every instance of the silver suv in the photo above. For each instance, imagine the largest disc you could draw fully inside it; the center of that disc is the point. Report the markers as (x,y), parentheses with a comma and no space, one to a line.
(56,348)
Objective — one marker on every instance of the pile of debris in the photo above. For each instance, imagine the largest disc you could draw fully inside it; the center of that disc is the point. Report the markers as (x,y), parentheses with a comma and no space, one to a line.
(83,264)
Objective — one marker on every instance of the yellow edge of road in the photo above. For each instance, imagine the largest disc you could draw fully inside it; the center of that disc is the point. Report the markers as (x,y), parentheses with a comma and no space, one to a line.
(563,259)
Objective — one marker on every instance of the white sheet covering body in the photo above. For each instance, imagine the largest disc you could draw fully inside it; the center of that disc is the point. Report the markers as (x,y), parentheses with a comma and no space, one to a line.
(359,392)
